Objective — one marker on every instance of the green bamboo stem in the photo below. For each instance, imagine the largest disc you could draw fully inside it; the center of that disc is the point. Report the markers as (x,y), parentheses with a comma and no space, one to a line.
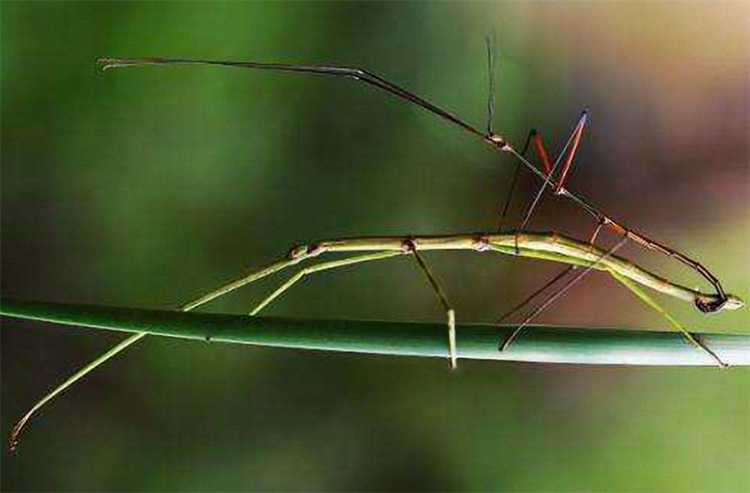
(542,344)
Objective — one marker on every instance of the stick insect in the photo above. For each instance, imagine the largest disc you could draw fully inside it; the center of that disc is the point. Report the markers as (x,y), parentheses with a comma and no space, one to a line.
(550,246)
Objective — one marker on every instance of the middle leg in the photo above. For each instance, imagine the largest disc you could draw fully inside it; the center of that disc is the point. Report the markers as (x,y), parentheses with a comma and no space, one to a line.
(410,247)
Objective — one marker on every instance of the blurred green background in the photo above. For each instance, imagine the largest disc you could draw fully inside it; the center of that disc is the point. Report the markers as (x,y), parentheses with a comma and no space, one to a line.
(145,187)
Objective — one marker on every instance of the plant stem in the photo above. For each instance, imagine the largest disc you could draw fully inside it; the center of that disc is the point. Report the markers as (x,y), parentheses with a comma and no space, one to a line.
(543,344)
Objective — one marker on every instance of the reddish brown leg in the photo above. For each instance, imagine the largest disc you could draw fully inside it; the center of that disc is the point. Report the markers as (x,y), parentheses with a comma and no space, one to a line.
(541,152)
(572,152)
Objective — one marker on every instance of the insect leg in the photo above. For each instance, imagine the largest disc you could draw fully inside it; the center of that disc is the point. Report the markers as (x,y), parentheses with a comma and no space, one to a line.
(358,74)
(129,341)
(121,346)
(572,152)
(643,296)
(551,282)
(536,293)
(541,308)
(409,247)
(512,187)
(541,152)
(572,141)
(598,229)
(320,268)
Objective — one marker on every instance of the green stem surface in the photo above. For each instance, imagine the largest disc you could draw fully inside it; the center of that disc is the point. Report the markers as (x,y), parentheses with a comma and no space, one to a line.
(543,344)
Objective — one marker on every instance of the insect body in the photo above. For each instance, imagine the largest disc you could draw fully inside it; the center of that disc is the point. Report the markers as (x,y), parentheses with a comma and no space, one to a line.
(578,255)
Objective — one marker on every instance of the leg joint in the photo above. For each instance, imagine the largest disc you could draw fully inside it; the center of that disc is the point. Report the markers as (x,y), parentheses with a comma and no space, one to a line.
(408,246)
(305,251)
(481,244)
